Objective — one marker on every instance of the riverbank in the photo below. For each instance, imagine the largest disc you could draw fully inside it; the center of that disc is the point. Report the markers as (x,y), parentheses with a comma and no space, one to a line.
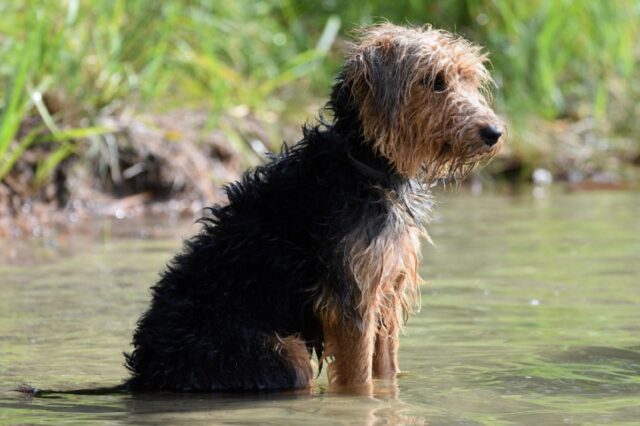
(175,164)
(135,108)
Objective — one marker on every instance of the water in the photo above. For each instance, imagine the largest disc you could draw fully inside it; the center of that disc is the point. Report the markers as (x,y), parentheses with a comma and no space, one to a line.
(532,315)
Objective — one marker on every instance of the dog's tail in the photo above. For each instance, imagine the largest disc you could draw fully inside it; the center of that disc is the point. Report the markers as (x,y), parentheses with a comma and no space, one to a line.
(109,390)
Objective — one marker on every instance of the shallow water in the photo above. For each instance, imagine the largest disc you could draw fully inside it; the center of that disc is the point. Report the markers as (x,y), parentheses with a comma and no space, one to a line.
(532,315)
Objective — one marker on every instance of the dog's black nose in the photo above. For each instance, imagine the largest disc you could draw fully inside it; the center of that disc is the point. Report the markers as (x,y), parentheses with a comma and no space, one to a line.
(490,135)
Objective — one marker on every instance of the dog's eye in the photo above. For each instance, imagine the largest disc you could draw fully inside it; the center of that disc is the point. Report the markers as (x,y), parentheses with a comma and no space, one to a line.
(439,84)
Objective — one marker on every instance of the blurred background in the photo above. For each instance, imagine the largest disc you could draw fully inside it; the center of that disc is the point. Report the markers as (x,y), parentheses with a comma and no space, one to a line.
(127,107)
(121,119)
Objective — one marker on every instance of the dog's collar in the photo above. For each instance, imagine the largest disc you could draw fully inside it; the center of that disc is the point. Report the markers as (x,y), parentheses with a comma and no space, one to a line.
(366,169)
(376,172)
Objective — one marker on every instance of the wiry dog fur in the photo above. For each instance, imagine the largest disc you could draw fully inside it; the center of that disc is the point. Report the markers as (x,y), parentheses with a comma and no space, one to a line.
(318,249)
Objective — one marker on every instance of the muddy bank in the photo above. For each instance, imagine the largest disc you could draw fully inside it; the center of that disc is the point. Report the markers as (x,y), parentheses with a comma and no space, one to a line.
(176,163)
(161,164)
(579,154)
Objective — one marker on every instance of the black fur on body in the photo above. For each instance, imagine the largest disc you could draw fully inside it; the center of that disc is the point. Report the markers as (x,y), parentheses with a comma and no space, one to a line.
(261,262)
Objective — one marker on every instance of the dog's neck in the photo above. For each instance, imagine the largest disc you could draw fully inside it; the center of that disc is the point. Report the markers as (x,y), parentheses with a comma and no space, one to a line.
(363,158)
(371,165)
(347,125)
(414,199)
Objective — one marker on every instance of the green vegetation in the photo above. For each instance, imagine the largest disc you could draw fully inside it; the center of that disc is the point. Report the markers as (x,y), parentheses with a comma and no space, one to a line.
(65,66)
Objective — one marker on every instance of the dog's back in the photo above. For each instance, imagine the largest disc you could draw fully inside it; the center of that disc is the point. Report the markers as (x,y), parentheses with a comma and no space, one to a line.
(239,303)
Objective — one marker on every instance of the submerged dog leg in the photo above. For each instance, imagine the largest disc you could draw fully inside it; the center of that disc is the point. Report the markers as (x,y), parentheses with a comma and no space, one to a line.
(351,350)
(385,354)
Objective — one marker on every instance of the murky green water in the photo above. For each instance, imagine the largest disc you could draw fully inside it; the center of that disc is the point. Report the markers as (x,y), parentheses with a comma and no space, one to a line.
(532,316)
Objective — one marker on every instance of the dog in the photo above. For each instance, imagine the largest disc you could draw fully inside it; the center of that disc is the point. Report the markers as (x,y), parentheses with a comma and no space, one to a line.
(317,251)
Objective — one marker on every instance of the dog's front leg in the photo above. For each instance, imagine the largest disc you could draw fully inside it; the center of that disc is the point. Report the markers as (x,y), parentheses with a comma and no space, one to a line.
(350,348)
(385,355)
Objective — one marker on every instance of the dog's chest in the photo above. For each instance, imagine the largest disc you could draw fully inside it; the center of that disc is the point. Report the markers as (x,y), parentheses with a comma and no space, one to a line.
(386,266)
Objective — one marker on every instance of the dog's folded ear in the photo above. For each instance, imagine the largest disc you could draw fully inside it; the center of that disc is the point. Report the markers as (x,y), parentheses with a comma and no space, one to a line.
(379,71)
(380,80)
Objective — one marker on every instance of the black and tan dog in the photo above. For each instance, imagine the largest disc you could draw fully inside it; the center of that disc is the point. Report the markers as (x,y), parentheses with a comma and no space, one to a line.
(318,250)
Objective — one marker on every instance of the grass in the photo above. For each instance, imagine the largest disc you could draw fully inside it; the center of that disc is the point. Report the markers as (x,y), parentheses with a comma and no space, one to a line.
(72,63)
(20,99)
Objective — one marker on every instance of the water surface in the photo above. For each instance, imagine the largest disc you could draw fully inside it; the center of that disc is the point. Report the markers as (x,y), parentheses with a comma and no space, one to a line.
(531,315)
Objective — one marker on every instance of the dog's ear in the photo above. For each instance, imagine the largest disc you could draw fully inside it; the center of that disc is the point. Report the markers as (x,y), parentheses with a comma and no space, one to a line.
(379,80)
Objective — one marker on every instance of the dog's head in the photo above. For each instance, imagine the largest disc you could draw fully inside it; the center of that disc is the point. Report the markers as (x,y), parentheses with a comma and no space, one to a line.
(422,96)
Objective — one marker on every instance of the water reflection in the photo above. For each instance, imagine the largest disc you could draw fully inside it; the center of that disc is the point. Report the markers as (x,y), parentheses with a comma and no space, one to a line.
(530,317)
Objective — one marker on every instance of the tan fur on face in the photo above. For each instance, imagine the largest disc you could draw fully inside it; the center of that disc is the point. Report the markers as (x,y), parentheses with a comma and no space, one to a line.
(391,71)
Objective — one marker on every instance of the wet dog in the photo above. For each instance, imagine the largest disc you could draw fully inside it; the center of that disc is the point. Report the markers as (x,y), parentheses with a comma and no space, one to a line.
(317,251)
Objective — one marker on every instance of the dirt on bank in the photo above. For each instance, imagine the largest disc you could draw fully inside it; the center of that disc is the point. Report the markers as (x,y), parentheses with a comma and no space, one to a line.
(147,164)
(171,164)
